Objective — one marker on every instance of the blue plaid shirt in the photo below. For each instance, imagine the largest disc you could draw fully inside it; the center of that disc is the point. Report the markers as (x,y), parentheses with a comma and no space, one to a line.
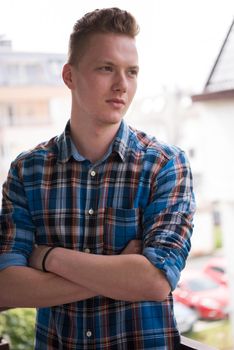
(141,189)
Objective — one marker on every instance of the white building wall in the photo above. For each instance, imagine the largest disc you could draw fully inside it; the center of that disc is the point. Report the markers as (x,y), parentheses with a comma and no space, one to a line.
(210,133)
(216,150)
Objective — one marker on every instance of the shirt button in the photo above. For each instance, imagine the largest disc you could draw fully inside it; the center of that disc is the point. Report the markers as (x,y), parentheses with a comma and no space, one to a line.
(87,250)
(93,173)
(91,211)
(89,334)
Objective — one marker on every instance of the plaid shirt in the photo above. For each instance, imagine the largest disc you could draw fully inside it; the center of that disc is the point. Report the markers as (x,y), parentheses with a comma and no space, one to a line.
(141,189)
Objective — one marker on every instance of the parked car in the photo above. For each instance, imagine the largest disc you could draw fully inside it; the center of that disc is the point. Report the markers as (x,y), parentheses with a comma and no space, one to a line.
(185,317)
(216,269)
(198,291)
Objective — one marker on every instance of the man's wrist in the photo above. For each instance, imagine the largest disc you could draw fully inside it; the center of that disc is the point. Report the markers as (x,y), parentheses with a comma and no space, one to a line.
(45,259)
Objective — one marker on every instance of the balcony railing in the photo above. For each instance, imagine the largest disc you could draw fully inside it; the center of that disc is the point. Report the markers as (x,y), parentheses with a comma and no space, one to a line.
(191,344)
(4,345)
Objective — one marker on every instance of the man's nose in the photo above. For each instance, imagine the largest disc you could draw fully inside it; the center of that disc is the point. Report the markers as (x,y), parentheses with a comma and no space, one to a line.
(120,83)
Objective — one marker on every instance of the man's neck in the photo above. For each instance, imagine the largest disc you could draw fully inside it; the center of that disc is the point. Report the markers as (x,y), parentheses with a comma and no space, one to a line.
(92,142)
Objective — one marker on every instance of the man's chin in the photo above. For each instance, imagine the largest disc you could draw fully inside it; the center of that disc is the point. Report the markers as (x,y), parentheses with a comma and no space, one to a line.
(113,119)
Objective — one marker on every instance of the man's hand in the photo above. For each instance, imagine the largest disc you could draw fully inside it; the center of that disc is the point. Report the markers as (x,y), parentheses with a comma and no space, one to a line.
(133,247)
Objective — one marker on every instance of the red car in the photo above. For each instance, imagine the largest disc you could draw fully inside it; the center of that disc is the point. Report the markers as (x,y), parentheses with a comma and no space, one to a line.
(198,291)
(216,269)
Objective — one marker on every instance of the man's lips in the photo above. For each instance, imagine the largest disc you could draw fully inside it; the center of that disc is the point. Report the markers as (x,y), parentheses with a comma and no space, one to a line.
(116,101)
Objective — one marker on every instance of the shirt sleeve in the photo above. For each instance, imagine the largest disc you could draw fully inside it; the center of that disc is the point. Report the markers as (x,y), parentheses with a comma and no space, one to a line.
(16,226)
(168,219)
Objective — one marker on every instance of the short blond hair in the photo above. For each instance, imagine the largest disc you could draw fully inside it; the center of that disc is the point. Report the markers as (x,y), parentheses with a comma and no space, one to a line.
(107,20)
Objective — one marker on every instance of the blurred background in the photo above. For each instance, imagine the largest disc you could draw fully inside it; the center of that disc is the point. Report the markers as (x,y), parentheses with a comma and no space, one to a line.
(185,97)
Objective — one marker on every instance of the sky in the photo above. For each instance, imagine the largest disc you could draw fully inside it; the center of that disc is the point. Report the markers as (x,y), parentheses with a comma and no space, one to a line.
(178,41)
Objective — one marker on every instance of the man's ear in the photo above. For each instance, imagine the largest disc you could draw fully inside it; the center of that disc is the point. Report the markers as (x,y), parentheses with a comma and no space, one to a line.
(67,76)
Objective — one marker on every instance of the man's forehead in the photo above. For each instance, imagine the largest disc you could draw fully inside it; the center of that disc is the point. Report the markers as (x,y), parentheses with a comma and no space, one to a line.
(109,45)
(112,39)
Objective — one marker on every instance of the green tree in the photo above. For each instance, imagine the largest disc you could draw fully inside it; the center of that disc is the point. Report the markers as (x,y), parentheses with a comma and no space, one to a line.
(17,326)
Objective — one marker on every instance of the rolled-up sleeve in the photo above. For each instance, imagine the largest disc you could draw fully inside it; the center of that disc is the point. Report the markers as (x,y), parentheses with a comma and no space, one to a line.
(16,226)
(168,219)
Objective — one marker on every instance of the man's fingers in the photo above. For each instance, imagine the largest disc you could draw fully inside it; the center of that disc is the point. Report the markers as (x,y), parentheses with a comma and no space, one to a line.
(133,247)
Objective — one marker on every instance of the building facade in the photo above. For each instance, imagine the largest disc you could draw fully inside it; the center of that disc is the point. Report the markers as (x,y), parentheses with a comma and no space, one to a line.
(33,100)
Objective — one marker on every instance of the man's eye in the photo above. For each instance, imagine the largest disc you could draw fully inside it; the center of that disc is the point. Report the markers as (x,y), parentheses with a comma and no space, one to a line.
(133,72)
(106,68)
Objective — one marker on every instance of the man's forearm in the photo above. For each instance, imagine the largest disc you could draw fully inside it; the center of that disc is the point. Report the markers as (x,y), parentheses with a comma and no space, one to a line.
(124,277)
(27,287)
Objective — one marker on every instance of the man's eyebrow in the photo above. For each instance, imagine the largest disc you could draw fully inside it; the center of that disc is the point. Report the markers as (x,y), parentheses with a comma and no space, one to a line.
(135,67)
(109,63)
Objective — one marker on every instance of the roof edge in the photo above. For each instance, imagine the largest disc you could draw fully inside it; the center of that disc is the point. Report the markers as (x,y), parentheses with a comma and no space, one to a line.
(215,95)
(219,54)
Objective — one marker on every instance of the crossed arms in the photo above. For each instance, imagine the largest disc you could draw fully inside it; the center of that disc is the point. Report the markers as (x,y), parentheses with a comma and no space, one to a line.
(77,276)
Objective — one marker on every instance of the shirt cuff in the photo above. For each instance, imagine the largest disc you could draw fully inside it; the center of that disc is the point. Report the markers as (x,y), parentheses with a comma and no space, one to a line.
(167,261)
(12,259)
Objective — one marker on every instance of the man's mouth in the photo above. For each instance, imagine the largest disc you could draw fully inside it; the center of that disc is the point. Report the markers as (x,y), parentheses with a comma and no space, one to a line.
(116,102)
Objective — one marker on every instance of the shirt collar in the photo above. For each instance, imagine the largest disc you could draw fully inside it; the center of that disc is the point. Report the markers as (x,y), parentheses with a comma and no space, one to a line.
(64,145)
(66,148)
(121,141)
(75,153)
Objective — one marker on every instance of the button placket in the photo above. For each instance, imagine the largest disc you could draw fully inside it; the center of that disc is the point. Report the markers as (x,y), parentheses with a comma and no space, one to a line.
(91,210)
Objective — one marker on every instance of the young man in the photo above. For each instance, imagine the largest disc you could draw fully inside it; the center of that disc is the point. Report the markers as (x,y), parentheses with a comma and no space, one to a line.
(96,223)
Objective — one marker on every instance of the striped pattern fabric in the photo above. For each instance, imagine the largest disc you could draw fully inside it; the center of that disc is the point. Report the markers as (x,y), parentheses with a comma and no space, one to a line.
(141,189)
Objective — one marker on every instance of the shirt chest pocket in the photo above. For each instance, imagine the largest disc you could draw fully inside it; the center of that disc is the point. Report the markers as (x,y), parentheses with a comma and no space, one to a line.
(120,227)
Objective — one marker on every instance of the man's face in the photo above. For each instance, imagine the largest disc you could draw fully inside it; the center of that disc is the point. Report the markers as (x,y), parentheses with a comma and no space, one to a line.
(105,78)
